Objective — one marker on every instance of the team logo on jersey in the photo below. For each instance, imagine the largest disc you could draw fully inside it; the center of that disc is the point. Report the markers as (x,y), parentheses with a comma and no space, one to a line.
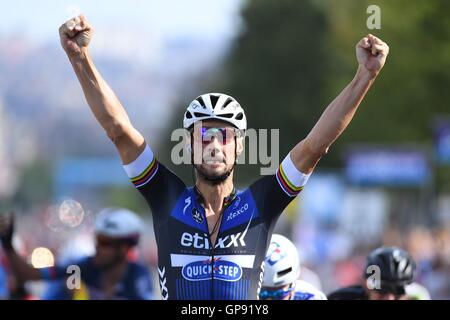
(236,202)
(238,212)
(204,269)
(275,254)
(197,216)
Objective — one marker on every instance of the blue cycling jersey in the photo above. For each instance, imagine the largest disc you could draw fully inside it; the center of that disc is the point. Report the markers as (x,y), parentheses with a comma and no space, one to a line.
(136,283)
(306,291)
(189,265)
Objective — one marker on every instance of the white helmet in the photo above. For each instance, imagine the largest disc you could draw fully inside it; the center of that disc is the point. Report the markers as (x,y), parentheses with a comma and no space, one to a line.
(119,223)
(282,265)
(217,106)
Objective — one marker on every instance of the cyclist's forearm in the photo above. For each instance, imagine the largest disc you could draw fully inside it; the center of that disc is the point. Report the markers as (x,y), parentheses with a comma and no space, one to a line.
(21,268)
(101,99)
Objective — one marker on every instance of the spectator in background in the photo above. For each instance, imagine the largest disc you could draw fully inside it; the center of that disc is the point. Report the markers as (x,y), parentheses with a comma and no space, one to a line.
(281,272)
(12,287)
(397,269)
(431,249)
(106,275)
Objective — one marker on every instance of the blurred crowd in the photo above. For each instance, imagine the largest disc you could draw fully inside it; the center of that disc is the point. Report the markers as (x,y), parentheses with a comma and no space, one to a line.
(429,246)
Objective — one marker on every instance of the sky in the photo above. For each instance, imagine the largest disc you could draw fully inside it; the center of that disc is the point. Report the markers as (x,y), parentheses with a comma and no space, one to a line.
(41,19)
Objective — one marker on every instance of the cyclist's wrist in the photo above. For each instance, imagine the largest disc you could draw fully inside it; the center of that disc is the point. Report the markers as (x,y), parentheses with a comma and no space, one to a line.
(364,74)
(79,56)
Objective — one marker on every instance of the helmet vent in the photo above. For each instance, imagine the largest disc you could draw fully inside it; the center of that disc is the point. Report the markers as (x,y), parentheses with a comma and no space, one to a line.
(200,100)
(239,116)
(200,114)
(226,115)
(188,115)
(227,102)
(285,271)
(214,100)
(110,224)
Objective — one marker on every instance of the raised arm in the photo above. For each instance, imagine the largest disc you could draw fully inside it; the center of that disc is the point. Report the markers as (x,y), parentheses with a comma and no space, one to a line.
(371,54)
(75,36)
(19,266)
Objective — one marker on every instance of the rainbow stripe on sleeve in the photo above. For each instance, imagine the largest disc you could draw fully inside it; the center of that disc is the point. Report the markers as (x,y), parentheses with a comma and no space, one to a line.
(288,187)
(146,175)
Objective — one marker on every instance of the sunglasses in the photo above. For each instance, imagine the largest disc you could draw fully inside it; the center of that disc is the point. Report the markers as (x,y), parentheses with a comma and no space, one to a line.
(279,294)
(106,242)
(223,135)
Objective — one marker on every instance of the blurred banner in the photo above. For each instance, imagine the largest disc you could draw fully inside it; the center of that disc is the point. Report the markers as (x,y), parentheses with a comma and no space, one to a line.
(387,166)
(442,140)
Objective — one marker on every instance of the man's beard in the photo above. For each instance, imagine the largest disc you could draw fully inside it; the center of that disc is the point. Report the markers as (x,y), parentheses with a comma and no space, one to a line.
(215,178)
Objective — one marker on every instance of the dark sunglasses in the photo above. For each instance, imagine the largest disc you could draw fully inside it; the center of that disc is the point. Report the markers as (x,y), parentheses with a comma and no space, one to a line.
(279,294)
(105,242)
(223,135)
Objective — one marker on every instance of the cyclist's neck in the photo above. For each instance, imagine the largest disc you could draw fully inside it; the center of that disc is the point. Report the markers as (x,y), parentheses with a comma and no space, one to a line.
(115,273)
(213,196)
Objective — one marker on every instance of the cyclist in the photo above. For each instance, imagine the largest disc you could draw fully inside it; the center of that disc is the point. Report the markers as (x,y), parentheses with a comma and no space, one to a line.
(396,270)
(106,275)
(281,272)
(211,238)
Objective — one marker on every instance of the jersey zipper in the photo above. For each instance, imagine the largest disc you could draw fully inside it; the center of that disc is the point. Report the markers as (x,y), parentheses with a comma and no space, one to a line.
(211,252)
(213,245)
(212,249)
(212,269)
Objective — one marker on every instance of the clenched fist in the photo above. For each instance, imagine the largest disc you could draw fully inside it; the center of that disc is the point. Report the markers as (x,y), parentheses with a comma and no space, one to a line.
(75,35)
(371,53)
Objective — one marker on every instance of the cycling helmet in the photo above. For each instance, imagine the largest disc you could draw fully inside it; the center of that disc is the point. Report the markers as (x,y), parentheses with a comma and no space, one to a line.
(416,291)
(119,223)
(282,263)
(397,268)
(217,106)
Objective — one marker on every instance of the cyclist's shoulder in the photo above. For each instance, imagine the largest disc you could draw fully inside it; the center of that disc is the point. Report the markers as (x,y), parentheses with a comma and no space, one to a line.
(258,185)
(306,291)
(147,168)
(138,268)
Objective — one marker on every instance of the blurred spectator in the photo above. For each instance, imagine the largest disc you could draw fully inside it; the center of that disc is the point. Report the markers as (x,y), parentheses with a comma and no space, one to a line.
(11,287)
(107,274)
(385,276)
